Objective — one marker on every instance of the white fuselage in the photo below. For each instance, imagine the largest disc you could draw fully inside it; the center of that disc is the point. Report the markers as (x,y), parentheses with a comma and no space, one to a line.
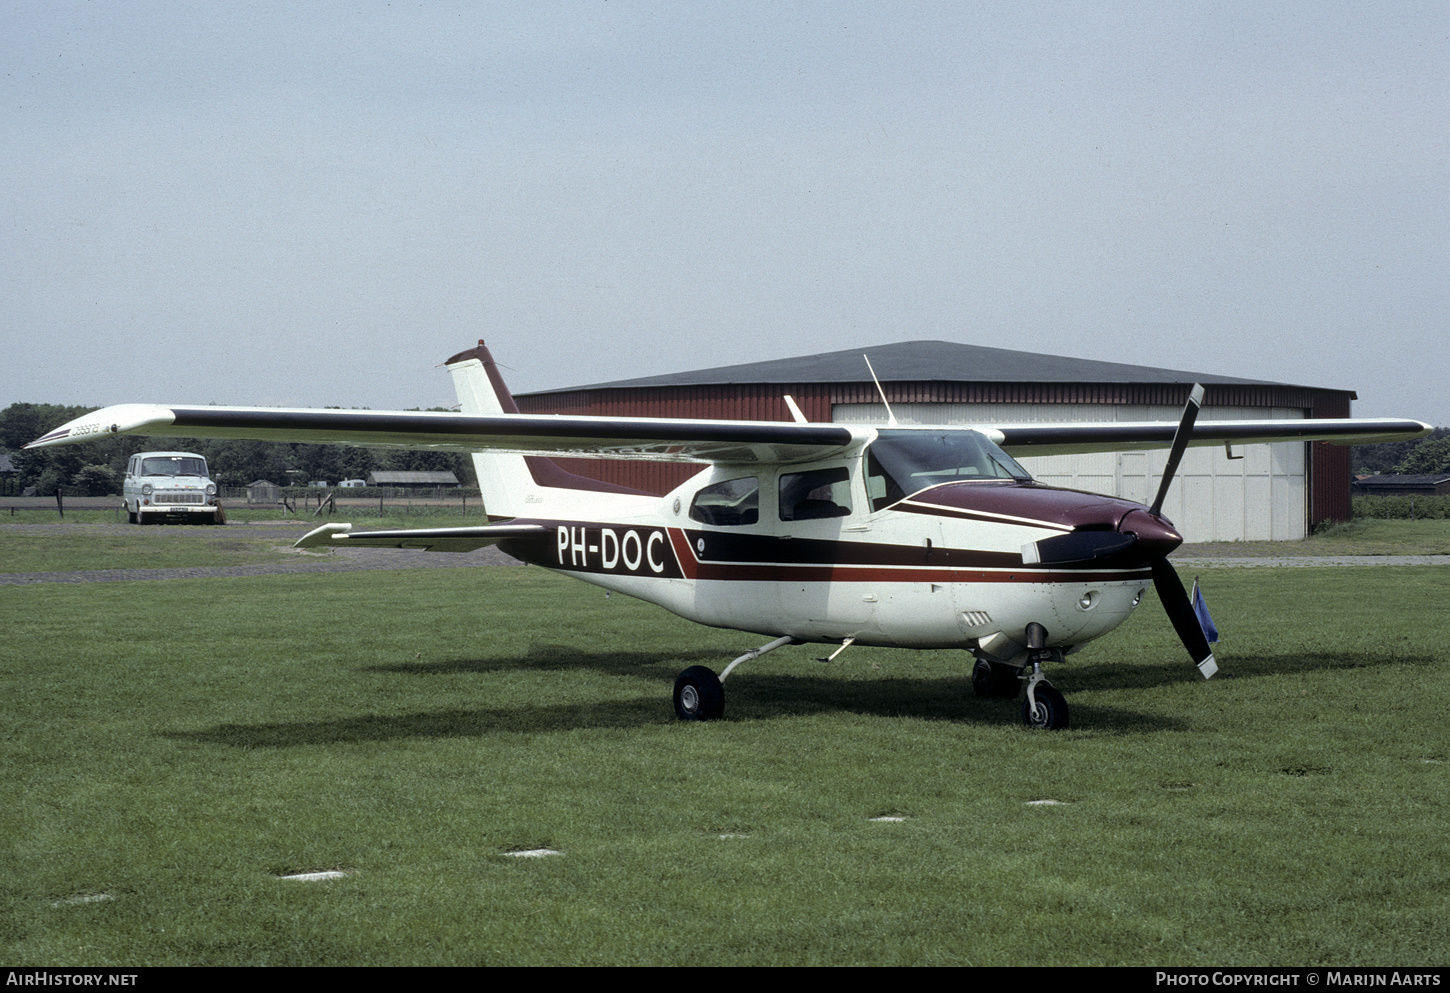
(917,573)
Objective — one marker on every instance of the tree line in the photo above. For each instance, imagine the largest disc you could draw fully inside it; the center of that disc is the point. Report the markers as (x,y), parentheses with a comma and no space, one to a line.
(1423,456)
(97,468)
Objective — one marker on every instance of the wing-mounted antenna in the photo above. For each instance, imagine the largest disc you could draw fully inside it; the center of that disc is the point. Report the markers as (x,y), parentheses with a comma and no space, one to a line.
(890,417)
(1180,443)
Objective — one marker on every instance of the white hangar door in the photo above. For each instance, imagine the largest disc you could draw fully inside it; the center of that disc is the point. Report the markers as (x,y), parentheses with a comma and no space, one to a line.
(1261,496)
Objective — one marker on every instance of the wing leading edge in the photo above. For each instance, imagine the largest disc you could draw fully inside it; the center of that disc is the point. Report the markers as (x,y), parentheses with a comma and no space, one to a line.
(661,439)
(670,439)
(1070,439)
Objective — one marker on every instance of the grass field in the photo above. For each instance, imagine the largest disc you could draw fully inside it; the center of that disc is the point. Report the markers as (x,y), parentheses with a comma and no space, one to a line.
(171,747)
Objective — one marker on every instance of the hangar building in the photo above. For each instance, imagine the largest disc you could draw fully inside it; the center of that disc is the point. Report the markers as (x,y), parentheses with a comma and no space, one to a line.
(1263,492)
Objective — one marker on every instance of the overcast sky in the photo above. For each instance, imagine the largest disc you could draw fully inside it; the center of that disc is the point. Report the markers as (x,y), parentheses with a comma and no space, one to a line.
(309,204)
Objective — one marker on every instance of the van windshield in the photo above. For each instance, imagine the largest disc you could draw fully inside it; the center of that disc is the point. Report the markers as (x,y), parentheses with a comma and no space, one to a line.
(902,462)
(173,465)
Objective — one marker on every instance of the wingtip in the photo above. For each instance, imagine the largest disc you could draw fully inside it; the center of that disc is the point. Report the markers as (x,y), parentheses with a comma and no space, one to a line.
(322,536)
(126,418)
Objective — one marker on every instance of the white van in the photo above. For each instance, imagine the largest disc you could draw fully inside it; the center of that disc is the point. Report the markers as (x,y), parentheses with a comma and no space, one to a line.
(162,486)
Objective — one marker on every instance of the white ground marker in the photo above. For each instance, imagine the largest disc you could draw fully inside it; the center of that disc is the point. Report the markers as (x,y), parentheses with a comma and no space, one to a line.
(534,853)
(82,898)
(1046,803)
(312,877)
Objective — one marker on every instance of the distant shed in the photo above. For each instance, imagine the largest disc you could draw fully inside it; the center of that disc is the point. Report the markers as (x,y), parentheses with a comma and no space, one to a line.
(262,491)
(1393,484)
(414,479)
(1273,492)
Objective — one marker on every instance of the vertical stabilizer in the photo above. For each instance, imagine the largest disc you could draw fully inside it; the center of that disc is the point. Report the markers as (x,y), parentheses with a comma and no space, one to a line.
(509,483)
(503,480)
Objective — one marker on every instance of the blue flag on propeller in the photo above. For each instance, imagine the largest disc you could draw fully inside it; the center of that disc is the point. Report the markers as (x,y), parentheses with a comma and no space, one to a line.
(1200,610)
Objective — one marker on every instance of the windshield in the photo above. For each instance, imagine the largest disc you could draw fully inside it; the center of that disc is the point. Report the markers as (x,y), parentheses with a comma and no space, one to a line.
(900,463)
(173,465)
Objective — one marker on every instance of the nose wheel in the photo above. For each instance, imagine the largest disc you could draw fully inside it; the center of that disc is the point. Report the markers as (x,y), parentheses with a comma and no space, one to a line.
(1045,708)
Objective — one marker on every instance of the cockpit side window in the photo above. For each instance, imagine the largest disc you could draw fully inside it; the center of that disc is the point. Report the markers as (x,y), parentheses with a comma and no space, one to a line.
(880,486)
(729,504)
(816,494)
(900,463)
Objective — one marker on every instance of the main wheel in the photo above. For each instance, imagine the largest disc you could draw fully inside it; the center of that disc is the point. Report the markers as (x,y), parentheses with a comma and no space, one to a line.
(699,695)
(1050,713)
(995,680)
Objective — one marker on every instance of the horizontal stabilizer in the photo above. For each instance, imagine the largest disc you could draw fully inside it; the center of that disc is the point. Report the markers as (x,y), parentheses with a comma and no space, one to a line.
(425,539)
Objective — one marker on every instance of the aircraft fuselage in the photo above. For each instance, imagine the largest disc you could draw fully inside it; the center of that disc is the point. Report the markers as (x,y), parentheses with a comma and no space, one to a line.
(943,568)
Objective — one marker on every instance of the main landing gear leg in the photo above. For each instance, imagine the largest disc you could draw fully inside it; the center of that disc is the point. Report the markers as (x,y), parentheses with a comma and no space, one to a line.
(699,695)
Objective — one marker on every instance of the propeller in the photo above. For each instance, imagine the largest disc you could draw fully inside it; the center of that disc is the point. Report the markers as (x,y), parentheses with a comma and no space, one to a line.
(1180,443)
(1165,578)
(1152,537)
(1180,612)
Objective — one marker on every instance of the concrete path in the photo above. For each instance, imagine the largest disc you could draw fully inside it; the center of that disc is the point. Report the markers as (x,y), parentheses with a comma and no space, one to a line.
(1291,561)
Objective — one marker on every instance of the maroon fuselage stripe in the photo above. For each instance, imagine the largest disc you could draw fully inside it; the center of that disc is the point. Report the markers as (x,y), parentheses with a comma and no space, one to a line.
(694,568)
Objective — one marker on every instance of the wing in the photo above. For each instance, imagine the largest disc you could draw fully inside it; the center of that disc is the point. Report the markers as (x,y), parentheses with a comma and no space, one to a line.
(427,539)
(663,439)
(1068,439)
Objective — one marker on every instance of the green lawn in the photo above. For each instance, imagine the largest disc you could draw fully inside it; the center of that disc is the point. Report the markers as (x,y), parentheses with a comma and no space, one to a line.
(92,540)
(175,745)
(1362,537)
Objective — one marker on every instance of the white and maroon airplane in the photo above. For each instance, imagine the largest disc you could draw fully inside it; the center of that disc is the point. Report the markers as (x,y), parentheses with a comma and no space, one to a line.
(917,537)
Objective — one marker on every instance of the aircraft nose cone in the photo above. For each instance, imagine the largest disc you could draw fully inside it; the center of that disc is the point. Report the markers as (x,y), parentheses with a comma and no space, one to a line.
(1156,535)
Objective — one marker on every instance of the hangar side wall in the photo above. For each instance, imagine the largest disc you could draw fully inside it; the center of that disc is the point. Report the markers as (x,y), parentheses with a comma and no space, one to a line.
(1326,467)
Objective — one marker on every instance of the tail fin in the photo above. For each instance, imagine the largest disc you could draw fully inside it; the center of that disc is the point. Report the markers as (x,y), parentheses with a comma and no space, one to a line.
(509,483)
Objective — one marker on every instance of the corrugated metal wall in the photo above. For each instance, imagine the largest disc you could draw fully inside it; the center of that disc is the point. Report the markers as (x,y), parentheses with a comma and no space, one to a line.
(1328,465)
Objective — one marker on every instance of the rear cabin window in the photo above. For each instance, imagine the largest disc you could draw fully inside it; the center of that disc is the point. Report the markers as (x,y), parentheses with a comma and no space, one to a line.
(813,495)
(728,504)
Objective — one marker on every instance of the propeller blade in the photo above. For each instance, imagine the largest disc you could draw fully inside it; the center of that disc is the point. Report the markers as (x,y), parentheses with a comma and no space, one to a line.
(1076,546)
(1180,442)
(1180,612)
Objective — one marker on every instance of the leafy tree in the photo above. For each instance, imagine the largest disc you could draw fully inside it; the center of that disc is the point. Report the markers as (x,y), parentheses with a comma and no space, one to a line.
(96,480)
(1387,456)
(1430,457)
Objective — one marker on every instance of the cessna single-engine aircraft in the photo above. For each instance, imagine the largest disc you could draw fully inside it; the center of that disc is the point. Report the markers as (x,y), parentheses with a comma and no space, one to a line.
(918,537)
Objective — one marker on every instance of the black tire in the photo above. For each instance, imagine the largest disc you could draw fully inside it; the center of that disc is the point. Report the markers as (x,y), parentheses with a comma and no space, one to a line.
(699,695)
(1050,713)
(994,680)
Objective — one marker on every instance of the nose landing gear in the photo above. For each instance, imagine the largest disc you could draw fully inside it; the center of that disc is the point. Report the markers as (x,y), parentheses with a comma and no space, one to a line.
(1043,705)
